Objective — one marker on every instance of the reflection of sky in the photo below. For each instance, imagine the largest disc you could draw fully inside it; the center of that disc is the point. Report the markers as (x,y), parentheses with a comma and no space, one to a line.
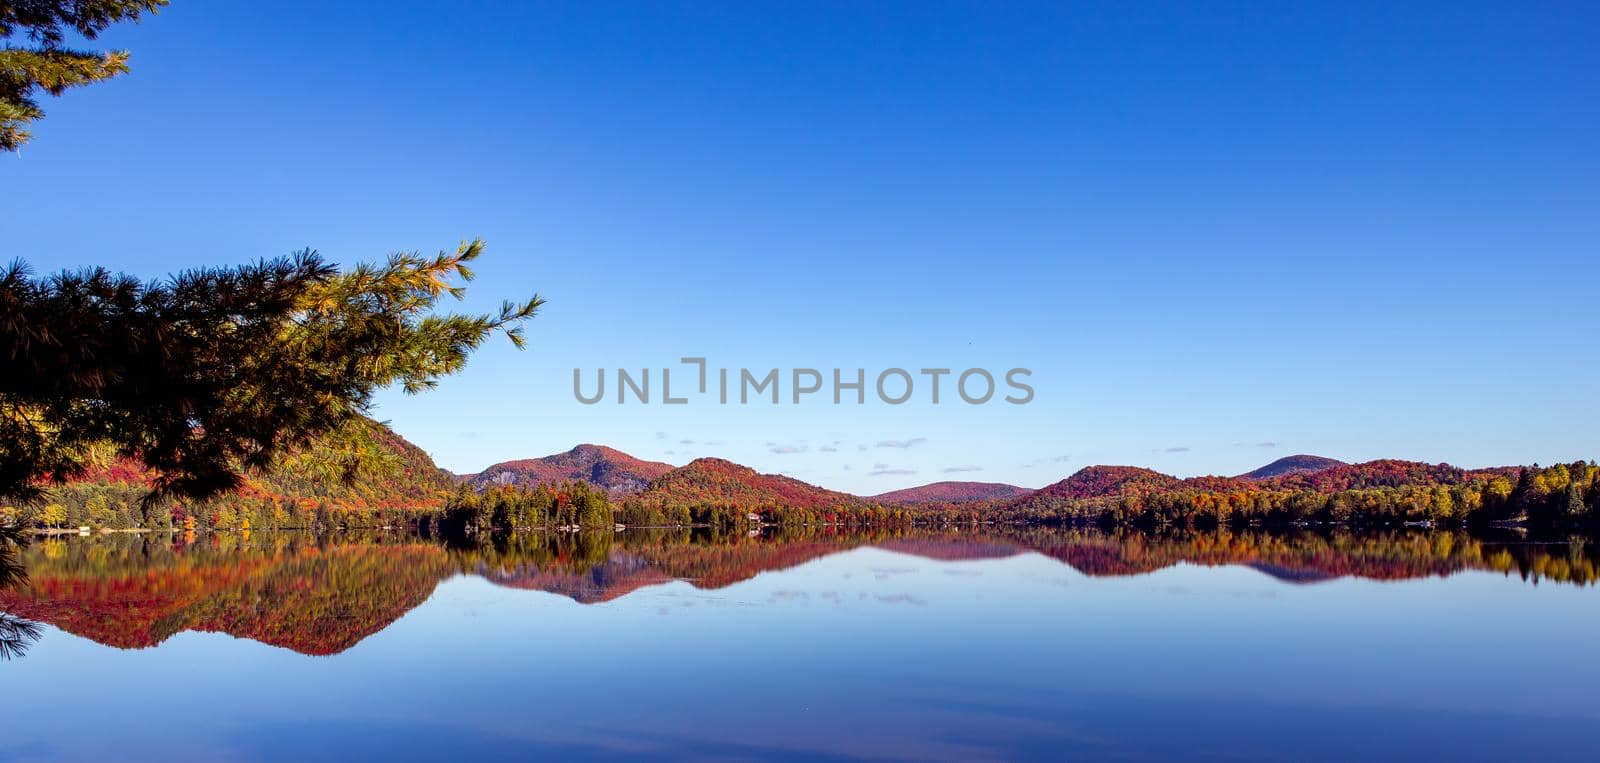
(865,653)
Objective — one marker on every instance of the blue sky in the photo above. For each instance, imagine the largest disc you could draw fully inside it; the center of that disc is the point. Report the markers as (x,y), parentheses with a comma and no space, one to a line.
(1217,234)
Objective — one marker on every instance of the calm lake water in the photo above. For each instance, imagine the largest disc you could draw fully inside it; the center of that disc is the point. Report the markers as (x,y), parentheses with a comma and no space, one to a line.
(999,645)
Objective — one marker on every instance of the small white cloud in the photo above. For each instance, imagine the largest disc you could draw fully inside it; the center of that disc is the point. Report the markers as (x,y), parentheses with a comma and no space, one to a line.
(902,444)
(955,469)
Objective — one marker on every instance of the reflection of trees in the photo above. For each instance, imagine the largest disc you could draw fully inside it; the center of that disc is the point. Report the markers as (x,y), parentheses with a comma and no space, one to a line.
(323,595)
(601,567)
(16,634)
(320,600)
(294,591)
(11,569)
(1305,555)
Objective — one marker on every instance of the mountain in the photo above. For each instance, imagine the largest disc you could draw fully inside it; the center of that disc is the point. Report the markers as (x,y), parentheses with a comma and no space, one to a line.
(616,472)
(1109,481)
(408,480)
(1293,473)
(405,480)
(1300,464)
(1386,472)
(719,482)
(1095,482)
(951,492)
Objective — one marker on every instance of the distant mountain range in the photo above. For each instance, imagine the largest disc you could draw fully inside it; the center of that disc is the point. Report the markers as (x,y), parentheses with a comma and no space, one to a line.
(1292,473)
(420,484)
(723,482)
(718,481)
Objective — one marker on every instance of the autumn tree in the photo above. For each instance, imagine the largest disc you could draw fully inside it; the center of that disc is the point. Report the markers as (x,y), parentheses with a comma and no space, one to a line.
(53,515)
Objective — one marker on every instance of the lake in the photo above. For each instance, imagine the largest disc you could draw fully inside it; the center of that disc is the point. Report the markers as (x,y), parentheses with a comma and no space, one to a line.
(995,644)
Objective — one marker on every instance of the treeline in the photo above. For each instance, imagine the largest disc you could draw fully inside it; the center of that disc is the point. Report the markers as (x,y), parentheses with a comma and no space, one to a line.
(1307,554)
(125,506)
(1563,496)
(1555,497)
(577,504)
(1560,496)
(569,505)
(718,514)
(573,504)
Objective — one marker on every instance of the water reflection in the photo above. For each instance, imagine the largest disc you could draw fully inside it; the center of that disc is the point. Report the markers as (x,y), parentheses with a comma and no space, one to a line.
(323,595)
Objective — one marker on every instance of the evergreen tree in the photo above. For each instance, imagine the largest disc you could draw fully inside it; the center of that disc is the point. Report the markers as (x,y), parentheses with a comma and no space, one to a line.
(1574,502)
(217,371)
(45,63)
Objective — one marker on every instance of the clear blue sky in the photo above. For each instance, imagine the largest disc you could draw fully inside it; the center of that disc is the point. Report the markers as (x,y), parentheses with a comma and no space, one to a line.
(1218,233)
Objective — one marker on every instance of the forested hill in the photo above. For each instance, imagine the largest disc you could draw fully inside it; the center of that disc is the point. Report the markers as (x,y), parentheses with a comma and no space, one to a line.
(398,479)
(1381,492)
(950,492)
(1308,474)
(1300,464)
(717,481)
(607,468)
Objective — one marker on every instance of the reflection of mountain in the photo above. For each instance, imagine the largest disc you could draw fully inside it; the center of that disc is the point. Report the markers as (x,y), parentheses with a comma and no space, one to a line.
(120,608)
(640,559)
(322,601)
(1293,557)
(1290,574)
(309,599)
(318,597)
(620,574)
(952,549)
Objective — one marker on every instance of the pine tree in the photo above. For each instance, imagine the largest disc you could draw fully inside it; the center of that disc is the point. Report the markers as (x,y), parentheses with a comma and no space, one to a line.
(1575,506)
(220,371)
(46,64)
